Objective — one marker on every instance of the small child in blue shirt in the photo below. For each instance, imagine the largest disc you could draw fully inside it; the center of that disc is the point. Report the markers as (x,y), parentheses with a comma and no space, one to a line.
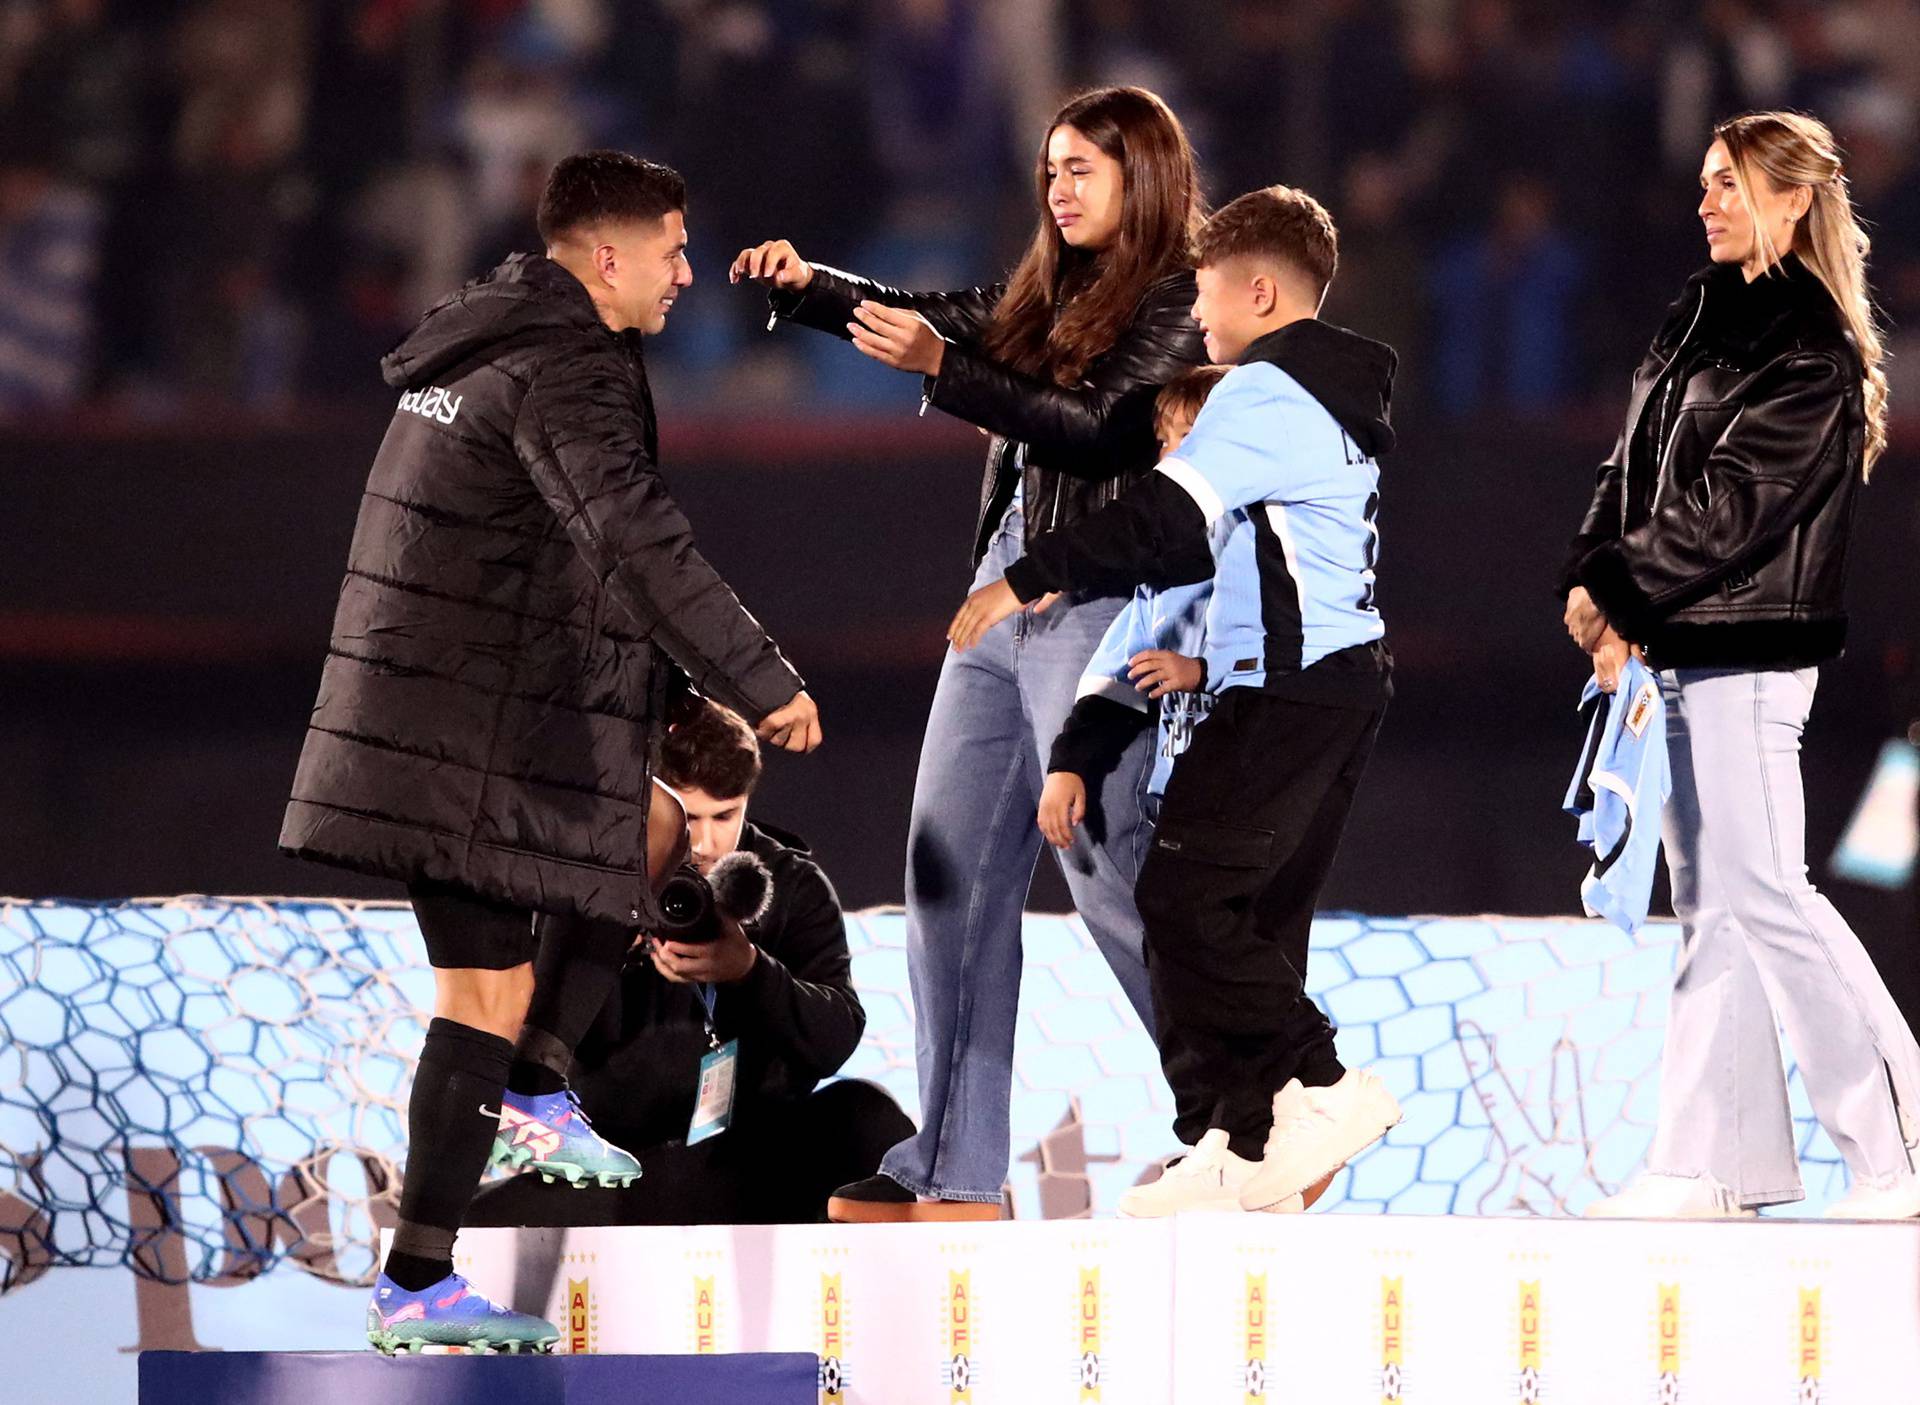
(1150,666)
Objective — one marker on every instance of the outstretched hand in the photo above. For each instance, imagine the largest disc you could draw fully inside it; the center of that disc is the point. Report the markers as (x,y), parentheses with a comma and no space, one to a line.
(895,337)
(776,262)
(985,608)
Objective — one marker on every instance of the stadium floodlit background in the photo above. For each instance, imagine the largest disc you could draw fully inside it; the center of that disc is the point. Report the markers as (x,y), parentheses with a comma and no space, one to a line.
(215,214)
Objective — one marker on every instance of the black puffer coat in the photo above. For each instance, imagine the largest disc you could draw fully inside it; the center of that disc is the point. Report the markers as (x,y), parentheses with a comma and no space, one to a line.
(1717,536)
(1086,444)
(519,580)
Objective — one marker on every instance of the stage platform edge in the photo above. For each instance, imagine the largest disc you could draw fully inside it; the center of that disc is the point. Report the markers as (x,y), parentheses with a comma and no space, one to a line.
(1241,1309)
(367,1378)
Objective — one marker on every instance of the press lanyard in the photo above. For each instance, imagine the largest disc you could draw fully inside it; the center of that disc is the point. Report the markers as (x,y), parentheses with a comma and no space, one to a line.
(709,997)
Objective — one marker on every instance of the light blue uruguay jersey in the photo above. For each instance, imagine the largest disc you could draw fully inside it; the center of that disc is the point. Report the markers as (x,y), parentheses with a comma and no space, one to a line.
(1294,572)
(1174,618)
(1617,793)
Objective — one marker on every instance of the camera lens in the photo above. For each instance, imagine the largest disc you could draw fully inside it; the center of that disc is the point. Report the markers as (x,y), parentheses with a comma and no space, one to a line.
(680,903)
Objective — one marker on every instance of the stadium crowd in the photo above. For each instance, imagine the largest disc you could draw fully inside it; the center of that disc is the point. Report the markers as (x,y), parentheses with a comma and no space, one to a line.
(215,203)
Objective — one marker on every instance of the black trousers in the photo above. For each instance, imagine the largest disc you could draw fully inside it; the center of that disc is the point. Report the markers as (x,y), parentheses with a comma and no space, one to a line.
(779,1168)
(1248,832)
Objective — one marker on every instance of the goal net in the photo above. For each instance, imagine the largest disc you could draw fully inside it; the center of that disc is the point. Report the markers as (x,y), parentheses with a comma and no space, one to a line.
(203,1088)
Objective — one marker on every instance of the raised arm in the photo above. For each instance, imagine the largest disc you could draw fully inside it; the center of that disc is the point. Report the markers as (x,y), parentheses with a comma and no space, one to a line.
(1100,428)
(814,295)
(579,436)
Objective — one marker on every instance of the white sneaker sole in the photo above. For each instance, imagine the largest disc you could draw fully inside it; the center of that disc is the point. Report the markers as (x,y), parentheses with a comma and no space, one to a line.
(1267,1193)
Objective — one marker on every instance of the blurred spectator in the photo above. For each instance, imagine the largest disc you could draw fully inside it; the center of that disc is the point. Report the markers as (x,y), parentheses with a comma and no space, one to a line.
(1504,300)
(232,332)
(74,83)
(49,246)
(1514,179)
(78,88)
(513,114)
(1380,290)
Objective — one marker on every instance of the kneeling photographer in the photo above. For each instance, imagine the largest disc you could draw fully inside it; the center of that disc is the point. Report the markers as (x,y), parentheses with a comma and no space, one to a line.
(708,1059)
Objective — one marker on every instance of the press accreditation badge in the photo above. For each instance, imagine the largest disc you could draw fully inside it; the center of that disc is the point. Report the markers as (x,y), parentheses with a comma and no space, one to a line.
(713,1113)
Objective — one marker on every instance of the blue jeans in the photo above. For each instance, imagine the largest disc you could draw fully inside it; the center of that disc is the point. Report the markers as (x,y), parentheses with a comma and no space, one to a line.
(1760,942)
(971,850)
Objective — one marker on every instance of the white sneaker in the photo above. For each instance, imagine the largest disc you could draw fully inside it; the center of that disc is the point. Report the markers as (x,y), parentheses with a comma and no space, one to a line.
(1654,1195)
(1897,1199)
(1209,1177)
(1316,1131)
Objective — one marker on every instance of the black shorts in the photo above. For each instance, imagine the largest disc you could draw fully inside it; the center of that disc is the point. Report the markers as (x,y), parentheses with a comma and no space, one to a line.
(464,931)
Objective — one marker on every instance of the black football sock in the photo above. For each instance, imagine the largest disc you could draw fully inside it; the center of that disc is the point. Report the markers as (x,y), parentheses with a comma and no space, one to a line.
(576,971)
(451,1117)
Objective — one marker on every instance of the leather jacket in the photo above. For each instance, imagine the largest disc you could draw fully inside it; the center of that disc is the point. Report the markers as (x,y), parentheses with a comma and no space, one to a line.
(1717,535)
(1083,445)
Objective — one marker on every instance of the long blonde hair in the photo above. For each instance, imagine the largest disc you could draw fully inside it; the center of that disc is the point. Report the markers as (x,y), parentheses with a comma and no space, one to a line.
(1790,149)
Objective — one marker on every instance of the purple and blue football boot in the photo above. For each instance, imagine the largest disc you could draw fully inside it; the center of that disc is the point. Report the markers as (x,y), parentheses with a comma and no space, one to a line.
(548,1133)
(450,1314)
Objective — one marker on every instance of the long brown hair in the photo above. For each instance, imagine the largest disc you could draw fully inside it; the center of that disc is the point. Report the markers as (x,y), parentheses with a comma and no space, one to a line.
(1789,149)
(1161,210)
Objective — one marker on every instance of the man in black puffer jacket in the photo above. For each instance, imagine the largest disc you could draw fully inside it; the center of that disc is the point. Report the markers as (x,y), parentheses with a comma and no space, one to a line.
(520,586)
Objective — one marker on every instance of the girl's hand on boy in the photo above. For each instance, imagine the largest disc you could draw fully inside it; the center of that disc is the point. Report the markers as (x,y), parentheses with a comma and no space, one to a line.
(985,608)
(1157,672)
(1063,804)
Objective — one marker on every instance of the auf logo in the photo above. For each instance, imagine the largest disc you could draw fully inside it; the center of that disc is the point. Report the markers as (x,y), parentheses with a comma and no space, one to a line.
(433,403)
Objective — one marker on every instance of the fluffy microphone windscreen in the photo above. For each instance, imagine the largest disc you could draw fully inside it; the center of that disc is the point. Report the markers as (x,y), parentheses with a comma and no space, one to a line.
(742,886)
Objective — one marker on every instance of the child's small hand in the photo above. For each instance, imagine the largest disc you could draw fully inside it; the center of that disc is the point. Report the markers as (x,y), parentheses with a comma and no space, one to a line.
(1157,672)
(1063,804)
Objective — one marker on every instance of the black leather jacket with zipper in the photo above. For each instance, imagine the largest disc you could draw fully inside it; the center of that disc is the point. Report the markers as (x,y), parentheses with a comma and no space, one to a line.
(1081,446)
(1717,535)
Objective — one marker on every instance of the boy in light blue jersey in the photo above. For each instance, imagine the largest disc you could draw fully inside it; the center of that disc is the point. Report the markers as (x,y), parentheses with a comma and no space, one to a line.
(1279,483)
(1148,668)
